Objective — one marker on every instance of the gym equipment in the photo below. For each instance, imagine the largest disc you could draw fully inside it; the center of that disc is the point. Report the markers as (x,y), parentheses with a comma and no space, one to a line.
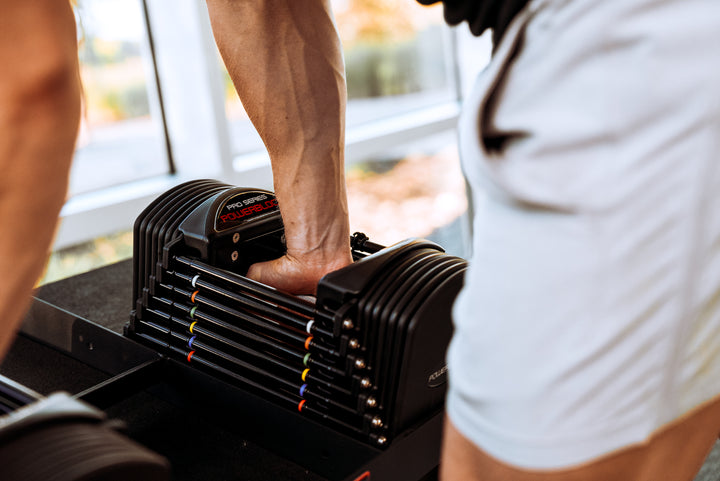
(60,438)
(366,358)
(346,386)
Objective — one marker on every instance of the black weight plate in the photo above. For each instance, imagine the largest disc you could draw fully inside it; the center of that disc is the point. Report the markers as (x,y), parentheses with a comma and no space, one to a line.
(423,351)
(147,224)
(454,266)
(160,217)
(168,228)
(386,305)
(370,303)
(166,224)
(383,261)
(139,228)
(394,313)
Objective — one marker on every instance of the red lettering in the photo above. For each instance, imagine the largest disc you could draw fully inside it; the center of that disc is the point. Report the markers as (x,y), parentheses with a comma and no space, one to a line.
(239,214)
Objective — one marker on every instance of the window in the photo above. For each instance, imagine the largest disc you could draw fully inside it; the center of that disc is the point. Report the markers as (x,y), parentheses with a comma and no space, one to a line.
(398,60)
(121,137)
(395,58)
(415,191)
(147,105)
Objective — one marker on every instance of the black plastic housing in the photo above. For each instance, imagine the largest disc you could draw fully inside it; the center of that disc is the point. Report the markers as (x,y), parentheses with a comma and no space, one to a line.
(366,358)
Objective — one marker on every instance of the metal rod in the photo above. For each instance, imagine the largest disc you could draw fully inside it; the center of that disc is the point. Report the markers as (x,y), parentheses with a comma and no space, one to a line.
(203,347)
(296,371)
(268,342)
(197,358)
(124,385)
(14,395)
(258,289)
(274,344)
(201,360)
(249,302)
(252,316)
(309,377)
(262,322)
(254,369)
(293,337)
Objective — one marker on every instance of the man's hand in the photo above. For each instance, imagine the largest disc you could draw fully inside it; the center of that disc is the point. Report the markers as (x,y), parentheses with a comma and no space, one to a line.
(298,274)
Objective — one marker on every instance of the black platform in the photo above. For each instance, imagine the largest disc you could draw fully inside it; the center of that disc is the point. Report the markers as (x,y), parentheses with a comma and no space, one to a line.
(167,406)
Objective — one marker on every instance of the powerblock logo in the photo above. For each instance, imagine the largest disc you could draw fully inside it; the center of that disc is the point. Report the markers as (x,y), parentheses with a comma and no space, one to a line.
(438,378)
(244,202)
(248,211)
(243,208)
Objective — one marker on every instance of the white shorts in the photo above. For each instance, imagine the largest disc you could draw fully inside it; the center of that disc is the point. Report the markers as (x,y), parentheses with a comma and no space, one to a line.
(590,317)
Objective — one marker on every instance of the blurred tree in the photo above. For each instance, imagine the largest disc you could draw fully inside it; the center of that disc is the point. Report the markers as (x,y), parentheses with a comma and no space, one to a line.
(375,21)
(380,42)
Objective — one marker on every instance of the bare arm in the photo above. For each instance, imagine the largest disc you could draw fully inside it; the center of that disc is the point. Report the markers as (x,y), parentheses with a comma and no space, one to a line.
(39,115)
(285,59)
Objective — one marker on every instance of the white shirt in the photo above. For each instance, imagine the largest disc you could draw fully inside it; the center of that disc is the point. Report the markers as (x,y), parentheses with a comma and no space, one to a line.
(591,312)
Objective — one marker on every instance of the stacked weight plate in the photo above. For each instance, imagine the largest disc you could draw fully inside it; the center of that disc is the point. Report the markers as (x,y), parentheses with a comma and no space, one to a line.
(60,438)
(366,358)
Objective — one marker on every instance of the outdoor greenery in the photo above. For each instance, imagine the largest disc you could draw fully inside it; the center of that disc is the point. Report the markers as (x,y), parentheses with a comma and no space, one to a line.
(114,80)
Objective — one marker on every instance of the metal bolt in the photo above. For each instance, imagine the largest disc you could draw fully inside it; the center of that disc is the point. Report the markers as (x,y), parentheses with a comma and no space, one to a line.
(348,324)
(365,383)
(371,402)
(234,256)
(381,440)
(236,237)
(376,422)
(359,363)
(353,343)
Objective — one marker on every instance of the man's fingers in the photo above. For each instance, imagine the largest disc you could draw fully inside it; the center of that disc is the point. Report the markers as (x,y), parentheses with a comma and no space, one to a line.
(283,274)
(261,272)
(296,275)
(255,272)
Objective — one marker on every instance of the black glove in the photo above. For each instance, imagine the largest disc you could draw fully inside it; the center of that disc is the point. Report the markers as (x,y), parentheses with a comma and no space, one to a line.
(481,14)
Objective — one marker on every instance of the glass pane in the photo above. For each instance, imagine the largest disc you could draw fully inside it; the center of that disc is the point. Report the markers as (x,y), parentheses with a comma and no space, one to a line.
(395,60)
(418,191)
(121,137)
(395,57)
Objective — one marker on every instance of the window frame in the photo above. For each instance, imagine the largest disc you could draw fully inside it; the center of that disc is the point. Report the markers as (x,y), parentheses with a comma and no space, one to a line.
(198,136)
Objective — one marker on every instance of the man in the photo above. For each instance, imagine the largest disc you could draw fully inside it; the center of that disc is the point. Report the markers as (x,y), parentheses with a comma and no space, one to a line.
(586,343)
(588,334)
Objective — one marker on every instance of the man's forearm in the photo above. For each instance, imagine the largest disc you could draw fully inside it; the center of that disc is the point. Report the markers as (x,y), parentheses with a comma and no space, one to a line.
(39,115)
(285,59)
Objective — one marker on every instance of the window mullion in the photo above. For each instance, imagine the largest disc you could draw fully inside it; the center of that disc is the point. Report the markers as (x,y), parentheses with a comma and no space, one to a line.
(184,66)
